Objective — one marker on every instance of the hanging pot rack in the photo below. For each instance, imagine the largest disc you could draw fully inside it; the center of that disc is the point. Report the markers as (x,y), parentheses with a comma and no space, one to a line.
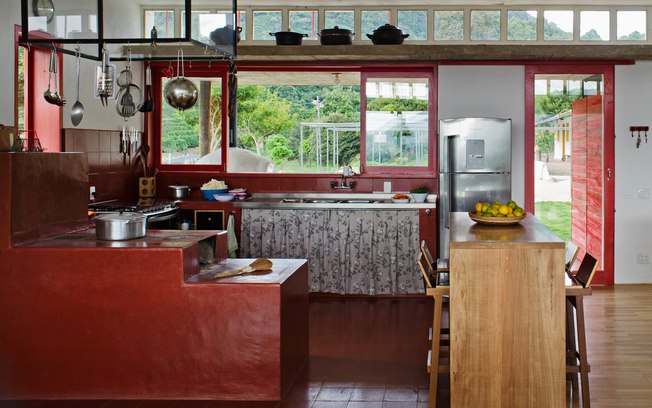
(153,48)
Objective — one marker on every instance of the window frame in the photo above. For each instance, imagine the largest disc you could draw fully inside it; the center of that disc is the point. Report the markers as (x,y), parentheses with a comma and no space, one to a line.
(400,72)
(198,69)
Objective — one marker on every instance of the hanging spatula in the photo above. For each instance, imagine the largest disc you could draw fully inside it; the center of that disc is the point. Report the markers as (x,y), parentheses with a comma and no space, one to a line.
(257,266)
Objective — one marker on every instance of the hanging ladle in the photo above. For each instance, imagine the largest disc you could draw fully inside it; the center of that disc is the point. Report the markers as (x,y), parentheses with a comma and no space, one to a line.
(77,111)
(48,95)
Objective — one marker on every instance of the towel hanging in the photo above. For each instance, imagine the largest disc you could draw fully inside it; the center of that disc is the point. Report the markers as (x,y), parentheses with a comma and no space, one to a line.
(232,241)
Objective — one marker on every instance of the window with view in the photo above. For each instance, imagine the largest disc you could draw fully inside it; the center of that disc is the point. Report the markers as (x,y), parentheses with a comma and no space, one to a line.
(194,136)
(397,121)
(163,20)
(297,122)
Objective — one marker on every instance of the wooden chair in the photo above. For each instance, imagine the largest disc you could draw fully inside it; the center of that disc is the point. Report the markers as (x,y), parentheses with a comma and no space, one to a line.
(570,256)
(576,355)
(438,293)
(433,271)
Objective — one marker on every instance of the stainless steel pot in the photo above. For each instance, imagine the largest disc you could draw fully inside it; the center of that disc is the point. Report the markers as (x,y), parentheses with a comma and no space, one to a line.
(178,192)
(120,226)
(180,92)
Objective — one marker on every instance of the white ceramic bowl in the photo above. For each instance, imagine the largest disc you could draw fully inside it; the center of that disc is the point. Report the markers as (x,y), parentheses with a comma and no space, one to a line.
(400,200)
(224,197)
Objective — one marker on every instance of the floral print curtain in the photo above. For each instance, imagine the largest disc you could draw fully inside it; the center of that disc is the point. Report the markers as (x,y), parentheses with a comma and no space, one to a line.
(369,252)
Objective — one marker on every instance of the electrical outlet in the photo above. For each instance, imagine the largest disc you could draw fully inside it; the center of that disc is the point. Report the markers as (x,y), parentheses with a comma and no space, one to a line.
(92,193)
(643,258)
(387,187)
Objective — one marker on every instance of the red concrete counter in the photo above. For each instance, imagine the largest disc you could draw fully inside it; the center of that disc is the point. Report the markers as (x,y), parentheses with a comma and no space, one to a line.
(81,318)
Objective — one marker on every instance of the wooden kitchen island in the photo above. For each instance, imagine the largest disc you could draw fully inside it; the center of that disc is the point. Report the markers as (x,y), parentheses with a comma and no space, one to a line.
(507,315)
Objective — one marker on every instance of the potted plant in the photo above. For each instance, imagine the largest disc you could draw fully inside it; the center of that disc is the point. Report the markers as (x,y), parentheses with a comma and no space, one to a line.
(420,193)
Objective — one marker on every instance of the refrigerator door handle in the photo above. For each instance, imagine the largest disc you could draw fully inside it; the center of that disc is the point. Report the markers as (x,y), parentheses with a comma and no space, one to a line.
(447,200)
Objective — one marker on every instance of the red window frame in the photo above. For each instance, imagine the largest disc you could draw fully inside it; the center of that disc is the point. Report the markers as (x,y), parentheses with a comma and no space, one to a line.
(400,72)
(199,69)
(425,70)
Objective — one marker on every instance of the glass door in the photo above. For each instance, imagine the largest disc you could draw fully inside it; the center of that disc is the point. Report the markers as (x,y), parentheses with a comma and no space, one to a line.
(569,159)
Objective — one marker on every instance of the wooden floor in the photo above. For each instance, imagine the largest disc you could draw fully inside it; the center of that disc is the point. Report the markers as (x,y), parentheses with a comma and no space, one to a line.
(370,353)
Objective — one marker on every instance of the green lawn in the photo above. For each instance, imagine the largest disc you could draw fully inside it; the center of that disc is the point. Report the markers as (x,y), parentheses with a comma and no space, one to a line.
(556,215)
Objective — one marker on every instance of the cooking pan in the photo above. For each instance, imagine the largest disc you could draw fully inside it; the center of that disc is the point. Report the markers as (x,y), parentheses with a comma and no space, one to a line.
(336,36)
(288,37)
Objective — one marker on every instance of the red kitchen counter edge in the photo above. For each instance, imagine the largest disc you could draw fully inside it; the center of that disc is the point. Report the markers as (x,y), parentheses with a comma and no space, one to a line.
(93,321)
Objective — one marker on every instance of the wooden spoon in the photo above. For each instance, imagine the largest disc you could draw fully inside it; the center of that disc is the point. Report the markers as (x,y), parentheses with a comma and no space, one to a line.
(260,264)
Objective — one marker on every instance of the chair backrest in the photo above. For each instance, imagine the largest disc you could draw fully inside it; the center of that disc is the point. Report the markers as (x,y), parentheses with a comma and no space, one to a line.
(425,268)
(571,255)
(586,271)
(426,253)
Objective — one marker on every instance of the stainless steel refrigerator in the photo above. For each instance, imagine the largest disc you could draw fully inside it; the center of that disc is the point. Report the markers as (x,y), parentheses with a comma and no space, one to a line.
(474,164)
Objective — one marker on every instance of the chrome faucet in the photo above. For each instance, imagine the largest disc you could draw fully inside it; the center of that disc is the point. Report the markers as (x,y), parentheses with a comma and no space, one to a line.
(343,184)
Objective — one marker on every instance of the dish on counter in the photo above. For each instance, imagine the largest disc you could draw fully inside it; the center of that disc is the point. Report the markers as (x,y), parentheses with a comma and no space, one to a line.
(223,197)
(495,220)
(400,200)
(210,194)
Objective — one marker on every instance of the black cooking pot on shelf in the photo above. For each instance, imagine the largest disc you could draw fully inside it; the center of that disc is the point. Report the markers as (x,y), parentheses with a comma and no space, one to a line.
(288,37)
(336,36)
(225,35)
(387,35)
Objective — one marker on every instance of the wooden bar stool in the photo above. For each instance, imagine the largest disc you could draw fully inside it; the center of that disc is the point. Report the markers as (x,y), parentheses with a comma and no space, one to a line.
(438,293)
(576,355)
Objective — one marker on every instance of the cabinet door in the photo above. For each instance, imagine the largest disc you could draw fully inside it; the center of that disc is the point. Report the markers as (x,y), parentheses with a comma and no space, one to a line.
(209,219)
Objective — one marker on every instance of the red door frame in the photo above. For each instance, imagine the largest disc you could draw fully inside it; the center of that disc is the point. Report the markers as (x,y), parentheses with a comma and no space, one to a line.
(605,275)
(48,122)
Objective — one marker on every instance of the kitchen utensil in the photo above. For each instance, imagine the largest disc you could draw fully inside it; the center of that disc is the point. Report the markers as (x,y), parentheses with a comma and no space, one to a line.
(179,192)
(60,100)
(77,110)
(180,92)
(48,95)
(288,37)
(225,35)
(387,35)
(105,79)
(336,36)
(120,226)
(260,265)
(128,101)
(148,105)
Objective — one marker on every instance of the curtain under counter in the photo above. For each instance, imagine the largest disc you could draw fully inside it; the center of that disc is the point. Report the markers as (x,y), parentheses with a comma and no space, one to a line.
(371,252)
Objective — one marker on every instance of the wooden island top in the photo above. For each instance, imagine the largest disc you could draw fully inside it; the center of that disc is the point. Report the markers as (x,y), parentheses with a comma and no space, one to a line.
(507,315)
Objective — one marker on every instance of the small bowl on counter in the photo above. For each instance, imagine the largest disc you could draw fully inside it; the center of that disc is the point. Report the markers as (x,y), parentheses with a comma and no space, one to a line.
(210,194)
(223,197)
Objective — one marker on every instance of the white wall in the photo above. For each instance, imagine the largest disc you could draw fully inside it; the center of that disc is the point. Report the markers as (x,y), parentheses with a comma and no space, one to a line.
(95,116)
(488,91)
(633,107)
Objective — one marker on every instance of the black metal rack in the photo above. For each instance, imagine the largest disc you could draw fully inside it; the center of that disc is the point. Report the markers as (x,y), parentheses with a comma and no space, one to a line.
(47,40)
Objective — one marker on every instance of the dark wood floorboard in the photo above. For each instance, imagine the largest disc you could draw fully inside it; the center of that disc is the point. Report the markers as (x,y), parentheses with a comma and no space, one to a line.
(370,353)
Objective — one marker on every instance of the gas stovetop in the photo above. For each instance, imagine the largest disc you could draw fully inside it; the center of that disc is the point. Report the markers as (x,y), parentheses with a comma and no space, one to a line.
(147,206)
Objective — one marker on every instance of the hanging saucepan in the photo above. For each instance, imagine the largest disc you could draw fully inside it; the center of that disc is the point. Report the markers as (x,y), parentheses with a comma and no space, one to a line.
(288,37)
(180,92)
(387,35)
(336,36)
